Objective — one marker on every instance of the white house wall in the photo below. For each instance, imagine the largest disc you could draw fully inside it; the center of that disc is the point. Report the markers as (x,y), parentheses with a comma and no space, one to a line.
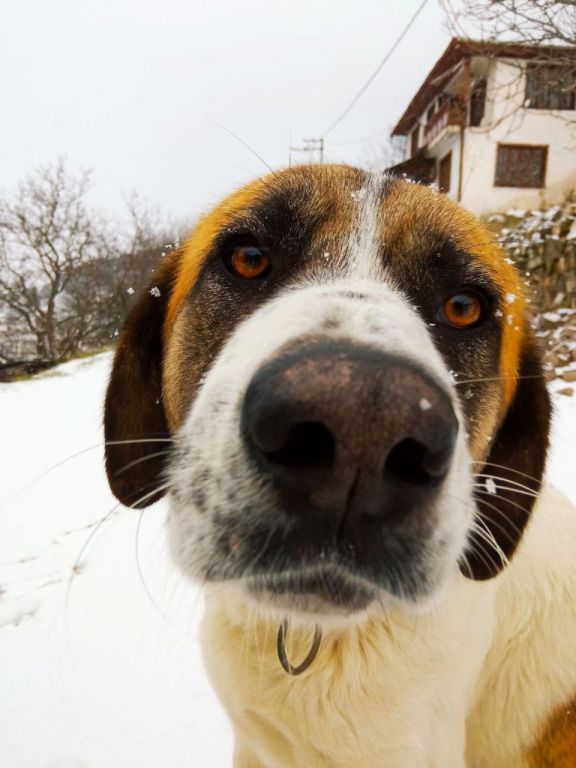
(515,125)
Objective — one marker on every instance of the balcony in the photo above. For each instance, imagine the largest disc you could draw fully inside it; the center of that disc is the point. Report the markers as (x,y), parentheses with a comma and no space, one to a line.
(451,113)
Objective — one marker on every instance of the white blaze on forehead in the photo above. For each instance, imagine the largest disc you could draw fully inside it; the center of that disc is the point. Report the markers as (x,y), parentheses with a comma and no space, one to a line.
(363,258)
(368,312)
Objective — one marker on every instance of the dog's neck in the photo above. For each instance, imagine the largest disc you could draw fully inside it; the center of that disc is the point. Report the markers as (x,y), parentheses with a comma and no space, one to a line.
(385,660)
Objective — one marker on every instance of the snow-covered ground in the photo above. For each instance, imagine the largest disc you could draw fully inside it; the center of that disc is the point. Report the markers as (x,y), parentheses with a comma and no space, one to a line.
(103,670)
(92,675)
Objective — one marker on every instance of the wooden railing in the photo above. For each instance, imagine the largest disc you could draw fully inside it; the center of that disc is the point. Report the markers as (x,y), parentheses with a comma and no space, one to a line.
(453,112)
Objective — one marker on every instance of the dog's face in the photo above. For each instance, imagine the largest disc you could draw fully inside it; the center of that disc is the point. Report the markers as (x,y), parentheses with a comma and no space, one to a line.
(344,365)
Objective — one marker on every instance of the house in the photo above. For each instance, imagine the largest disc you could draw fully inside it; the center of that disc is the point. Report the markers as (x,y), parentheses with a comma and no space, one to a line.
(494,125)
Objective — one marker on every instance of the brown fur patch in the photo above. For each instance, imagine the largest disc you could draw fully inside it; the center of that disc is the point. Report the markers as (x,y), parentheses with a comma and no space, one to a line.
(201,240)
(323,183)
(557,746)
(414,209)
(135,426)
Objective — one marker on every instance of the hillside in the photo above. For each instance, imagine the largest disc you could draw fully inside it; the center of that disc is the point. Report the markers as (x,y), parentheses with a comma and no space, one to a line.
(542,245)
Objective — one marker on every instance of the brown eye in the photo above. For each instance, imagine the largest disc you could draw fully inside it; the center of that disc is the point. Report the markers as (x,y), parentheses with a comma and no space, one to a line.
(249,262)
(462,310)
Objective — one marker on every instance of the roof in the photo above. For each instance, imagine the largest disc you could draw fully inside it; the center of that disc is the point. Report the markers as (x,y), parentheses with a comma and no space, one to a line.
(459,49)
(419,167)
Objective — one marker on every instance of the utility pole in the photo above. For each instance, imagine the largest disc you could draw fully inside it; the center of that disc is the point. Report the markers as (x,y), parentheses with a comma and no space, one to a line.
(313,147)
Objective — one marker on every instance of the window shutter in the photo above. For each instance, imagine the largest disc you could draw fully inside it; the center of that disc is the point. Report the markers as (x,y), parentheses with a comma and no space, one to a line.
(520,165)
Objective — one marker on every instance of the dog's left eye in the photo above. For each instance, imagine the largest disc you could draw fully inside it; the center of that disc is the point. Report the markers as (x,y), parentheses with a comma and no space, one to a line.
(248,262)
(464,309)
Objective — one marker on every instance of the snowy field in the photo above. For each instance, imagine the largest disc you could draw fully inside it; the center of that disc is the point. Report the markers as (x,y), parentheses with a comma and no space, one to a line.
(103,670)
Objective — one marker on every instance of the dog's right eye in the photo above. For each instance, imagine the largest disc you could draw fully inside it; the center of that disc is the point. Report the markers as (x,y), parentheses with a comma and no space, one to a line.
(248,262)
(462,310)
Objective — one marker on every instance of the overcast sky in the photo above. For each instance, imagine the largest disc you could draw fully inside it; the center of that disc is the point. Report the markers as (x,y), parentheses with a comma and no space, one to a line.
(128,87)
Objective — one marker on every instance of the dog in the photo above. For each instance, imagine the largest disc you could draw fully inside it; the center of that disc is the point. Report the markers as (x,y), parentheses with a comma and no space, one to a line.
(336,383)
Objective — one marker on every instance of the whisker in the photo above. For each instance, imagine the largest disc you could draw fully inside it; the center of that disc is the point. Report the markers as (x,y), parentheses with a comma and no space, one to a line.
(466,563)
(509,469)
(498,378)
(141,460)
(163,615)
(476,548)
(93,533)
(501,528)
(483,496)
(486,534)
(61,463)
(519,491)
(244,143)
(75,567)
(135,441)
(482,533)
(486,499)
(507,480)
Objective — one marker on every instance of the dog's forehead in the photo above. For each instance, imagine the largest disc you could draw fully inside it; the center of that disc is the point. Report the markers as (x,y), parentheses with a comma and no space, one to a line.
(326,213)
(325,204)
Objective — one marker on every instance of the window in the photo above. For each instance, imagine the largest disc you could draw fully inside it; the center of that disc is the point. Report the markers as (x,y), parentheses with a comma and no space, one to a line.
(431,112)
(414,140)
(520,165)
(477,103)
(550,87)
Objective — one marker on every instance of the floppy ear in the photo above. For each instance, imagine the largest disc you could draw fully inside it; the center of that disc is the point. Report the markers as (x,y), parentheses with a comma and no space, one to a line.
(512,473)
(135,425)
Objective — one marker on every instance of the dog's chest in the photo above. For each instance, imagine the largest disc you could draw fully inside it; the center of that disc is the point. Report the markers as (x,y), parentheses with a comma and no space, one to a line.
(372,696)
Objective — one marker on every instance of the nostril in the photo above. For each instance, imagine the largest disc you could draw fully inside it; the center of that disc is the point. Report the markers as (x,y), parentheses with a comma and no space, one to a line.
(308,444)
(412,462)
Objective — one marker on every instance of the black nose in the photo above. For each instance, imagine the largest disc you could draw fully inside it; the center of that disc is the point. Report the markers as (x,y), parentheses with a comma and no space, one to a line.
(349,431)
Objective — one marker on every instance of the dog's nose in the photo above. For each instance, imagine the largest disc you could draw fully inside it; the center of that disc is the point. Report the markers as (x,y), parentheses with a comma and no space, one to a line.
(348,430)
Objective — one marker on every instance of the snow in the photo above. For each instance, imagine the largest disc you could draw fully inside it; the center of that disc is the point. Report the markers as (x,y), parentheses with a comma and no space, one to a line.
(105,671)
(358,194)
(552,317)
(92,676)
(491,486)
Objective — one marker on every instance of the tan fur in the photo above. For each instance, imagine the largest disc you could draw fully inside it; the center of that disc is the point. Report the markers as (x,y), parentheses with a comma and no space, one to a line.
(391,691)
(482,680)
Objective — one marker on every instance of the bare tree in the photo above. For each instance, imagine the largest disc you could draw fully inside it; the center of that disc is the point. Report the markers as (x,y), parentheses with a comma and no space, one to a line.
(144,240)
(537,40)
(68,276)
(47,234)
(532,22)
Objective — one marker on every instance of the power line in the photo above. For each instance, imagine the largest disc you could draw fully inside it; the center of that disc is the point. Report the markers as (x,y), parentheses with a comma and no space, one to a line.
(377,70)
(241,140)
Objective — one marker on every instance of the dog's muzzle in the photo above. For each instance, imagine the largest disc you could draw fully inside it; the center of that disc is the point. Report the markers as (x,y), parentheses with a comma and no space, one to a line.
(356,443)
(352,438)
